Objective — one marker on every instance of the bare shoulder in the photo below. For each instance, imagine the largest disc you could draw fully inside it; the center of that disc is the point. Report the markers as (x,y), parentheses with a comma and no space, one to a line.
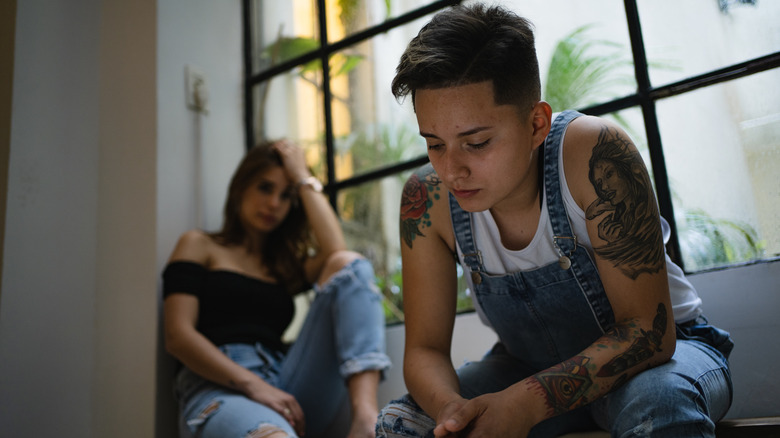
(195,246)
(425,209)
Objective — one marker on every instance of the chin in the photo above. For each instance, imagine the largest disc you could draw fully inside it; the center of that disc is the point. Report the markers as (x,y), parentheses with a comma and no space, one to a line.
(472,205)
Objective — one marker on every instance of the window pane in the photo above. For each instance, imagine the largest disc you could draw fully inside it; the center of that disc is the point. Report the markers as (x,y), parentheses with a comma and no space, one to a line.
(347,17)
(722,150)
(686,38)
(282,30)
(583,49)
(369,215)
(372,129)
(290,106)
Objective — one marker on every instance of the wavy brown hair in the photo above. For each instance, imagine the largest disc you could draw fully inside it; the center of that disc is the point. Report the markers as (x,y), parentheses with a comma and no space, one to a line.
(285,248)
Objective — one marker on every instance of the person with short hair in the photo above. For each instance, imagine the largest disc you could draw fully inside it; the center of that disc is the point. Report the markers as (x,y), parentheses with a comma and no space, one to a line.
(555,224)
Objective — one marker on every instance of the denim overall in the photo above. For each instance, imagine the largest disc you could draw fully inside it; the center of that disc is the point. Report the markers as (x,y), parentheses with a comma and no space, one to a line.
(549,314)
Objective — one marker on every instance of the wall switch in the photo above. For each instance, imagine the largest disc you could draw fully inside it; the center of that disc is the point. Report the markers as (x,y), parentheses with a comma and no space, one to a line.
(196,90)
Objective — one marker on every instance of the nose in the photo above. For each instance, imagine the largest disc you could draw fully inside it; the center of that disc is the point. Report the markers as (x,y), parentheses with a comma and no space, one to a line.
(454,164)
(275,201)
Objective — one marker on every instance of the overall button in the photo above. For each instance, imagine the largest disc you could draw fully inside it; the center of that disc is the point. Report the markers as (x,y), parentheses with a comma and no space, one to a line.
(476,278)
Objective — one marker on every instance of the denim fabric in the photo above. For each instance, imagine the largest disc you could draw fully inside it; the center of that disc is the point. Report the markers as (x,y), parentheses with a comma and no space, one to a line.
(343,334)
(549,314)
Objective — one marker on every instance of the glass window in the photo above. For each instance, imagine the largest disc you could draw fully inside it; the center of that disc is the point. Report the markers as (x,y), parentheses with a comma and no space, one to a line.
(722,149)
(691,37)
(289,105)
(282,30)
(583,49)
(717,144)
(371,128)
(348,17)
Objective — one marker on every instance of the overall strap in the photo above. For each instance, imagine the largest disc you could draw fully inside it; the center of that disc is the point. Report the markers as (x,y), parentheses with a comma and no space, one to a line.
(462,226)
(563,236)
(573,256)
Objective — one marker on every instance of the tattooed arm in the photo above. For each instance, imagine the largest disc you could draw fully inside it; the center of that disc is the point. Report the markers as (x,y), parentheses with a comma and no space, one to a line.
(609,181)
(624,229)
(430,291)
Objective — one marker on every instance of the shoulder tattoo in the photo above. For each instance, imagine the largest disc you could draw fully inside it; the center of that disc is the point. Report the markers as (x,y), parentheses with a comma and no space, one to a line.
(625,206)
(421,189)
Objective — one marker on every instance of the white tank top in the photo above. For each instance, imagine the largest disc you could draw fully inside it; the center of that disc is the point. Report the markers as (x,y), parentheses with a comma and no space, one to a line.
(498,260)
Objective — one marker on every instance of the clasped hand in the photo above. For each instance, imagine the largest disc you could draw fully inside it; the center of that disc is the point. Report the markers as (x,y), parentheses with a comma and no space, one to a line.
(490,415)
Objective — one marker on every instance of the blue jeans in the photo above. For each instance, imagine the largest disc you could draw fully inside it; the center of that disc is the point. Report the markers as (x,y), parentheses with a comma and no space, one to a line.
(343,334)
(681,398)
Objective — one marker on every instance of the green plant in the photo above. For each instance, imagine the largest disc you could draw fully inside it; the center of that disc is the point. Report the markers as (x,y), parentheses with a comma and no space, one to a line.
(707,242)
(584,71)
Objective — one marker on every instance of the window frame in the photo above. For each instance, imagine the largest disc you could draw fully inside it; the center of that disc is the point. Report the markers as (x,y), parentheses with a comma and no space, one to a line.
(645,97)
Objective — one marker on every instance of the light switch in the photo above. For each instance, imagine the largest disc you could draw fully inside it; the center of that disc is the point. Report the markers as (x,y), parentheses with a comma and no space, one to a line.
(196,90)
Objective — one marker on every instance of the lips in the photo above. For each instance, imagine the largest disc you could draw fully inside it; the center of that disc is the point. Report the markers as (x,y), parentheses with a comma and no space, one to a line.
(268,219)
(464,193)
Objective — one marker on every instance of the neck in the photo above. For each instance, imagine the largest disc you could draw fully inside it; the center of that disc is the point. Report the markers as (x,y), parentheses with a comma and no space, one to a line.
(253,243)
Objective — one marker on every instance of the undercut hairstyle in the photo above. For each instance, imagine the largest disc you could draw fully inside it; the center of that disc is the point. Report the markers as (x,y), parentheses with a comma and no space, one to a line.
(285,248)
(464,45)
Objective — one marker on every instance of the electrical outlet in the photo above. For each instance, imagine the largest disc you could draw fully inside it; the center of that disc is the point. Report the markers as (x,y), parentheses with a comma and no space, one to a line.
(196,90)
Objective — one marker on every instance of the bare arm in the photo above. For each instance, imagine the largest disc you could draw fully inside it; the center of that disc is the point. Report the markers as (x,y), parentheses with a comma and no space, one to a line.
(429,274)
(322,219)
(625,230)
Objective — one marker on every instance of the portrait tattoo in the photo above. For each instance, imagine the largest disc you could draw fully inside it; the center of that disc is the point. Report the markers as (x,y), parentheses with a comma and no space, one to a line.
(564,385)
(625,207)
(641,349)
(419,192)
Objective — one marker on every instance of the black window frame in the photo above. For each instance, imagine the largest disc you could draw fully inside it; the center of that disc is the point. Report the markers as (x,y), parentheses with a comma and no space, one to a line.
(645,97)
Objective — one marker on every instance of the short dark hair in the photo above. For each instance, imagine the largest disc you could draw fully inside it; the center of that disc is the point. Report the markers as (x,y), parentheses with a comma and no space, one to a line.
(468,44)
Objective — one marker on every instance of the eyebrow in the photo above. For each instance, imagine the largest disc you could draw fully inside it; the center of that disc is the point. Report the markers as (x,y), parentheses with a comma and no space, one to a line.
(461,134)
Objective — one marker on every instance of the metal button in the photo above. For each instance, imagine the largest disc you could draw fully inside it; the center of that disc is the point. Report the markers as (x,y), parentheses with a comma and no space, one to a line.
(476,278)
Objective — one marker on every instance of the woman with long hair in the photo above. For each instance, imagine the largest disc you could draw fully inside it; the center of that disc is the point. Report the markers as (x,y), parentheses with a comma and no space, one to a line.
(228,299)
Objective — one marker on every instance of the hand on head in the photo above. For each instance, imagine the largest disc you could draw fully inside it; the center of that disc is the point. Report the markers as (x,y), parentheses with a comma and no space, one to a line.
(293,160)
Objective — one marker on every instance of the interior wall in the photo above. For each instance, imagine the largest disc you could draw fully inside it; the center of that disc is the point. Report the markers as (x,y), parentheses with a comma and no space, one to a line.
(7,29)
(196,152)
(125,308)
(78,311)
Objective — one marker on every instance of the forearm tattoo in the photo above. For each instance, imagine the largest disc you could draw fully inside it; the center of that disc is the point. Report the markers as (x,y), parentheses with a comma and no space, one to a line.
(419,192)
(641,349)
(564,385)
(625,207)
(571,384)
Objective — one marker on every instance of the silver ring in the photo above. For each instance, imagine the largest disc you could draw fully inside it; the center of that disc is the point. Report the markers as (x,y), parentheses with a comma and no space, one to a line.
(286,411)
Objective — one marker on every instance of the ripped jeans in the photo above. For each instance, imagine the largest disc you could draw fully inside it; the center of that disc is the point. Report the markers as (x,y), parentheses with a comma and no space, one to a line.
(681,398)
(343,334)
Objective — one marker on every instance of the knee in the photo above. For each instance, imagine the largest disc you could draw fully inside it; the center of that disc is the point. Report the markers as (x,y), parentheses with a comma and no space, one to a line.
(403,418)
(660,406)
(336,262)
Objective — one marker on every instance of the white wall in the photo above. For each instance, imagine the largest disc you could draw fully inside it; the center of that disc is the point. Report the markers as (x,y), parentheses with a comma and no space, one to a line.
(197,153)
(102,180)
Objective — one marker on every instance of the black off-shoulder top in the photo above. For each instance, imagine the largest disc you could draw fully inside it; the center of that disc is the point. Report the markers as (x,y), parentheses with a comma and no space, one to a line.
(232,307)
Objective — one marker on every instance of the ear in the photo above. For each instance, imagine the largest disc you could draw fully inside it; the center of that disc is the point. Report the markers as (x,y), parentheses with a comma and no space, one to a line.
(541,115)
